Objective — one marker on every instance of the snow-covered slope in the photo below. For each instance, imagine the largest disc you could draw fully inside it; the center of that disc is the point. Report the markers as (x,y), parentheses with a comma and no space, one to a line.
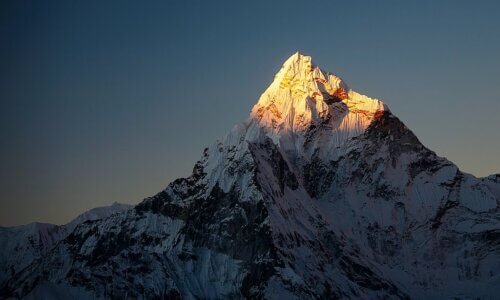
(321,193)
(21,245)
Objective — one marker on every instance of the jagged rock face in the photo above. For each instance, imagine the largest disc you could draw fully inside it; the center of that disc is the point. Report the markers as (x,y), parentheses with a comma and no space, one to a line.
(21,245)
(428,225)
(321,193)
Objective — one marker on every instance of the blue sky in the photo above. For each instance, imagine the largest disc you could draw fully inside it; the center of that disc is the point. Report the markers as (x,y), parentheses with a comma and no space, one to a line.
(106,102)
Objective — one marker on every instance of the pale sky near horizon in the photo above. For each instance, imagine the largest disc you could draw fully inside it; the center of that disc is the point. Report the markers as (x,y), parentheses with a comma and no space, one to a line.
(110,101)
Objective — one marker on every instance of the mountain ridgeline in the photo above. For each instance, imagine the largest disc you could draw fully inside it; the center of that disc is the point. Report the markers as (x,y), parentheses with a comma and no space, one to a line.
(321,194)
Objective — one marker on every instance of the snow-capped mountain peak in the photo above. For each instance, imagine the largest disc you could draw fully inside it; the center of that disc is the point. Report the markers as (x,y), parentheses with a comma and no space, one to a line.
(299,90)
(304,102)
(321,194)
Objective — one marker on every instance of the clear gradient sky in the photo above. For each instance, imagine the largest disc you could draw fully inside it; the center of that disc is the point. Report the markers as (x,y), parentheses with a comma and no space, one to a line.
(106,101)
